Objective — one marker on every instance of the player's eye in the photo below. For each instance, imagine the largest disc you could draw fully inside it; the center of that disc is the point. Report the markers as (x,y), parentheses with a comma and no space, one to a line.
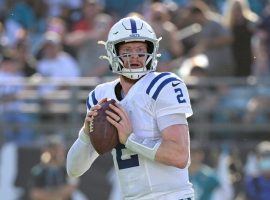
(125,55)
(141,54)
(125,52)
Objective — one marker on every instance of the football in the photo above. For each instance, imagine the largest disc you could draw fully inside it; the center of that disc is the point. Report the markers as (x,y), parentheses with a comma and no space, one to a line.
(103,135)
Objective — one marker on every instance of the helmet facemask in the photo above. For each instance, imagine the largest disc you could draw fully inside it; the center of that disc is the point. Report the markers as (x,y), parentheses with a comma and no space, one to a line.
(129,71)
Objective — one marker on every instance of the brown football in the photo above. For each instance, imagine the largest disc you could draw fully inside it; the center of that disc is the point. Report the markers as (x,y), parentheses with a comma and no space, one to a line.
(103,135)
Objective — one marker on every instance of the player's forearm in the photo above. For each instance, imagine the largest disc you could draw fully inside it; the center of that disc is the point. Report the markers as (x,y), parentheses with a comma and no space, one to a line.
(171,153)
(80,157)
(174,149)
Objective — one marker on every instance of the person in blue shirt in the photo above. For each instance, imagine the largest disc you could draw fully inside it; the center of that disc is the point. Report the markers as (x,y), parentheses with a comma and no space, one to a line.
(202,176)
(258,187)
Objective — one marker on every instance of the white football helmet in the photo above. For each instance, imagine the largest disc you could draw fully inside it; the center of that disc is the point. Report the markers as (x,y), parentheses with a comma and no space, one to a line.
(132,29)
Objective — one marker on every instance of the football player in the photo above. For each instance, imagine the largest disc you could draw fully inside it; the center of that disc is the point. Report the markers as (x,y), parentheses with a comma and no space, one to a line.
(152,109)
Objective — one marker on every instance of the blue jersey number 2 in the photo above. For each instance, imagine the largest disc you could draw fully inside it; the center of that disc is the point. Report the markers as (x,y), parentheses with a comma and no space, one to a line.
(180,96)
(133,161)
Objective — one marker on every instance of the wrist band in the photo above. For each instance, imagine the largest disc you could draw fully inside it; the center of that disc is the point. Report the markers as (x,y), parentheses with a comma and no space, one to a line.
(144,146)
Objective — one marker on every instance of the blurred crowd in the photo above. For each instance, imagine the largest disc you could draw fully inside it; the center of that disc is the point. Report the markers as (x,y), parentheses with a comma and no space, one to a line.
(225,38)
(210,38)
(222,173)
(200,39)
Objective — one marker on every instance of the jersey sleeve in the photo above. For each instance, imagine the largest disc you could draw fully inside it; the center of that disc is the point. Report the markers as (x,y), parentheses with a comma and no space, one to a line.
(172,98)
(100,92)
(96,95)
(91,99)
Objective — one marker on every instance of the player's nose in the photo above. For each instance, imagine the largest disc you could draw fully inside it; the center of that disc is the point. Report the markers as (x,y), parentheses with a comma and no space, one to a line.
(134,56)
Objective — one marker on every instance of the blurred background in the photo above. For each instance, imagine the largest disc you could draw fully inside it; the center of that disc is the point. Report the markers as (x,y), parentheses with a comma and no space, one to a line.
(49,61)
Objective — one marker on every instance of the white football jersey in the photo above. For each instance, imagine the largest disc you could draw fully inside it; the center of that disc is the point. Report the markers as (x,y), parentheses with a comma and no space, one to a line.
(154,95)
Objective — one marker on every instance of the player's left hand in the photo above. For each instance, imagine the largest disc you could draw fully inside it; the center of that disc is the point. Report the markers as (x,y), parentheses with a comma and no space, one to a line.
(121,121)
(91,114)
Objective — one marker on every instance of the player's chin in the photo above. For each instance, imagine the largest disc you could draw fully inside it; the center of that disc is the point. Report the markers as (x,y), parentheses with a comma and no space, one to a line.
(129,80)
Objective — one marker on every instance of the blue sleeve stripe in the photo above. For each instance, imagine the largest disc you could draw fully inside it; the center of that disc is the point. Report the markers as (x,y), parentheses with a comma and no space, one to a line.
(165,82)
(133,26)
(94,98)
(156,80)
(88,104)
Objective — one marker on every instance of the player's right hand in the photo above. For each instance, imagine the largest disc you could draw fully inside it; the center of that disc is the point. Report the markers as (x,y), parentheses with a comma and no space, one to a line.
(124,126)
(91,114)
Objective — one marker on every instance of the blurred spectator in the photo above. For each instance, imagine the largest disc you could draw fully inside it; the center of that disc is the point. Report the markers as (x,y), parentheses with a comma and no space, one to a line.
(258,187)
(213,40)
(179,2)
(231,105)
(258,109)
(257,6)
(27,16)
(25,58)
(170,47)
(10,31)
(90,9)
(90,51)
(49,179)
(198,72)
(59,26)
(220,103)
(202,176)
(3,9)
(261,58)
(262,45)
(3,37)
(93,27)
(9,163)
(41,17)
(84,36)
(198,62)
(179,15)
(120,8)
(59,68)
(54,62)
(241,21)
(55,7)
(71,11)
(227,173)
(17,122)
(23,13)
(74,4)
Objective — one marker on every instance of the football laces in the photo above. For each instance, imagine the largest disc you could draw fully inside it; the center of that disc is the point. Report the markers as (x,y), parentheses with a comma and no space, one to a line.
(91,126)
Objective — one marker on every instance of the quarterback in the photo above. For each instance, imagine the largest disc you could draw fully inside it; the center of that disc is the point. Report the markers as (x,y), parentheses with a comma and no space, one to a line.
(152,159)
